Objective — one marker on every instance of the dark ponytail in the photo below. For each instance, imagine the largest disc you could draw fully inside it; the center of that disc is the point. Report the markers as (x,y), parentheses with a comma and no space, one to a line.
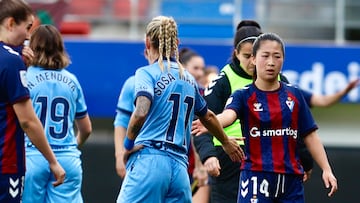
(244,23)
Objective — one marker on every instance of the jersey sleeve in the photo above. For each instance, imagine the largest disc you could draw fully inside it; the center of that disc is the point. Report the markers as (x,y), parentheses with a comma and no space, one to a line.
(13,79)
(307,96)
(200,103)
(81,108)
(307,124)
(125,105)
(144,84)
(217,93)
(234,102)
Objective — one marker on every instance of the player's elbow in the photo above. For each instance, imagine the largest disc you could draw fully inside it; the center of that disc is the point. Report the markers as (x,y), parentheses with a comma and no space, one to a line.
(25,124)
(140,116)
(86,131)
(84,126)
(322,101)
(29,123)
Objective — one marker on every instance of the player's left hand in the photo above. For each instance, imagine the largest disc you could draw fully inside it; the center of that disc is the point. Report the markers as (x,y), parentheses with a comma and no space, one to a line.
(330,180)
(127,153)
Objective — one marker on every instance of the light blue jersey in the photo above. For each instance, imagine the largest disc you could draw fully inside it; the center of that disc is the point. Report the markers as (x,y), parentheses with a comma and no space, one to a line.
(125,105)
(174,101)
(58,100)
(158,172)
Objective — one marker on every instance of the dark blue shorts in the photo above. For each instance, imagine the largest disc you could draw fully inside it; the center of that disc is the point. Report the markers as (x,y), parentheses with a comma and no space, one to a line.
(268,187)
(11,188)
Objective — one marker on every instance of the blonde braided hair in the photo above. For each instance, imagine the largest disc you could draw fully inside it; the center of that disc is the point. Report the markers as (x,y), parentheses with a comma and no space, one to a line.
(163,32)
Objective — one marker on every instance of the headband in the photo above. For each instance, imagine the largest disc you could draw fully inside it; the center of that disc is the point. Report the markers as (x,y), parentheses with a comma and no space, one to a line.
(245,39)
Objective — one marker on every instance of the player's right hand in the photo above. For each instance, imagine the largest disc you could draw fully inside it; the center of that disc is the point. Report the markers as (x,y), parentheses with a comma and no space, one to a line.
(232,148)
(59,174)
(128,152)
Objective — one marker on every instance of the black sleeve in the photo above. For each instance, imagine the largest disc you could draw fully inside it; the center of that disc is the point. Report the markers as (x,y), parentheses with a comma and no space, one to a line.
(204,146)
(217,94)
(305,157)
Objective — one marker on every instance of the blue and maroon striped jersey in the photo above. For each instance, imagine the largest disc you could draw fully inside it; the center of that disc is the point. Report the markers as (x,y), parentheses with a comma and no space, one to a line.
(12,90)
(272,123)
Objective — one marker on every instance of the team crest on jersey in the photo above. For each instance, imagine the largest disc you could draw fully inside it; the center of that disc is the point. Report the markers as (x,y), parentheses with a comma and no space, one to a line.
(22,74)
(290,103)
(258,107)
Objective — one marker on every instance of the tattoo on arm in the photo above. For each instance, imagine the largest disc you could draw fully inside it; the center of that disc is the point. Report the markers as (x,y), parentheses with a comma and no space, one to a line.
(142,106)
(140,113)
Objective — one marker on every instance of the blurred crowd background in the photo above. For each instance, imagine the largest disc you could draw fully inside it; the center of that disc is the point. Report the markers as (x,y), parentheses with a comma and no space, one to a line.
(298,21)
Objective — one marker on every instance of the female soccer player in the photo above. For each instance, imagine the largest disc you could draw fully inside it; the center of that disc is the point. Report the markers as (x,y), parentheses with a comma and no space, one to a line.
(16,112)
(273,117)
(167,97)
(59,102)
